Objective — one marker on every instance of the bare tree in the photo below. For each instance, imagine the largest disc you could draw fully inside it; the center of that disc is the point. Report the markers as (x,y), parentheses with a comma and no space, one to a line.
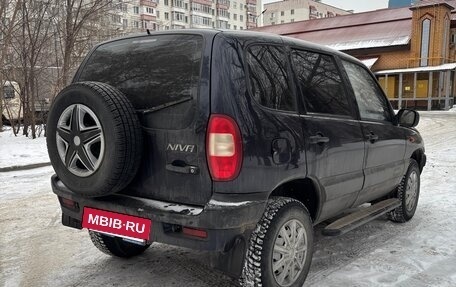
(79,19)
(8,20)
(31,46)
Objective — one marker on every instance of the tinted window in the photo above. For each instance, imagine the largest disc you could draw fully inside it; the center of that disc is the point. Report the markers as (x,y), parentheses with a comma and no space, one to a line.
(371,102)
(320,83)
(269,79)
(151,70)
(8,92)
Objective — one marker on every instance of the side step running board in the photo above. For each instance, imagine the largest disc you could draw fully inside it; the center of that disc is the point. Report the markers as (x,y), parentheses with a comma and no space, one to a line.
(361,217)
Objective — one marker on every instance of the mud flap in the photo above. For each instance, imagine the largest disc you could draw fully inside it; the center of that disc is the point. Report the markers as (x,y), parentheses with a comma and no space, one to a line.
(231,260)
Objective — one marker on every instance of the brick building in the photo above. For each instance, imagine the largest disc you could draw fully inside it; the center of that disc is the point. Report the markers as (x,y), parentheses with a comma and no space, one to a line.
(411,50)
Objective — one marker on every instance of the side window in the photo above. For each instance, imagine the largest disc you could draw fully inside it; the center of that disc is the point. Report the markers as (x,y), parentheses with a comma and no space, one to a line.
(371,102)
(269,77)
(321,84)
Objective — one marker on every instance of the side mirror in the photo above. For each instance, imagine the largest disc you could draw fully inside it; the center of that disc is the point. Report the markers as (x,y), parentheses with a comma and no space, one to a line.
(408,118)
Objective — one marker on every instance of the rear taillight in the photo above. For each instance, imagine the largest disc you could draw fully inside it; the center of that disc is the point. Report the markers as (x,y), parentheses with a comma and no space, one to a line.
(224,148)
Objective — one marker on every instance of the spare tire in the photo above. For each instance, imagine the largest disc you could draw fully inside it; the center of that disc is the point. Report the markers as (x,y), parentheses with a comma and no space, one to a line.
(94,139)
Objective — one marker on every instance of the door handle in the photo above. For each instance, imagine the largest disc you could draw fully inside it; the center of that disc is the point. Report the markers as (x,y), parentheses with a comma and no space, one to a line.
(372,137)
(179,167)
(318,139)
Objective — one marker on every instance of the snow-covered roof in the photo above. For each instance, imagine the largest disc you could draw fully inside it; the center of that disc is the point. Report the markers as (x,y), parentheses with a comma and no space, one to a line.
(372,43)
(444,67)
(369,62)
(376,29)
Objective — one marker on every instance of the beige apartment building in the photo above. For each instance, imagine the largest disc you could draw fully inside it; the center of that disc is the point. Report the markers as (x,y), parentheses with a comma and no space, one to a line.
(289,11)
(138,15)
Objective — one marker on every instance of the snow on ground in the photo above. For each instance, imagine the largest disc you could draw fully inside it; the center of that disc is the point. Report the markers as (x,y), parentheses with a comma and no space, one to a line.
(35,250)
(21,150)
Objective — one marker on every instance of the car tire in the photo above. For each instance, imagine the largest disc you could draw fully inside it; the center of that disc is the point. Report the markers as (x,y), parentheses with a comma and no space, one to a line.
(94,139)
(116,246)
(273,257)
(408,193)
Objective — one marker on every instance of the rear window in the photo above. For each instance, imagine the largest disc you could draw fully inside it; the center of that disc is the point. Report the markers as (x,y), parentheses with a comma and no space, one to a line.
(152,71)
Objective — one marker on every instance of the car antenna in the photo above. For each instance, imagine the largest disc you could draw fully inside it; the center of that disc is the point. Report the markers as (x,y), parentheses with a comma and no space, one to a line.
(148,31)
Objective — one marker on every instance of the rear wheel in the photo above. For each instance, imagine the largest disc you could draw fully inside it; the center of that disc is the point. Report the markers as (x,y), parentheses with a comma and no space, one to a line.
(116,246)
(408,193)
(280,249)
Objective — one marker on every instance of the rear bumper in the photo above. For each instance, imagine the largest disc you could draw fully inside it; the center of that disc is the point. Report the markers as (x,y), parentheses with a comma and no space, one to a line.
(225,222)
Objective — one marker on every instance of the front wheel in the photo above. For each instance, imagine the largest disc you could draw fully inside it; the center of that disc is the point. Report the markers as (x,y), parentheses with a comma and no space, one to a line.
(116,246)
(408,193)
(280,248)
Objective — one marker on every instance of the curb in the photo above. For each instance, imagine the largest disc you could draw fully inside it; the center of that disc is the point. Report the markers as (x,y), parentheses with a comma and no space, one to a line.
(24,167)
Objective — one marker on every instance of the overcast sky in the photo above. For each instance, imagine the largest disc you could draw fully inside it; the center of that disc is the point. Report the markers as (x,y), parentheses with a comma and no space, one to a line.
(358,5)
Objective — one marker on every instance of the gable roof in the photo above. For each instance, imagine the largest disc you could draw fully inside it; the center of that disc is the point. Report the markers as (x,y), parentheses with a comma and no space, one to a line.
(373,29)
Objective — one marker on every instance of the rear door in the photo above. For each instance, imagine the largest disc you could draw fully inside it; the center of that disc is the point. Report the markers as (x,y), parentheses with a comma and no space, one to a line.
(166,77)
(385,142)
(334,140)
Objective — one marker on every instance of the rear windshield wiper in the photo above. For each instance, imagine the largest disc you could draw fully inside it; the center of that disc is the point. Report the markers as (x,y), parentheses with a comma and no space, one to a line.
(164,106)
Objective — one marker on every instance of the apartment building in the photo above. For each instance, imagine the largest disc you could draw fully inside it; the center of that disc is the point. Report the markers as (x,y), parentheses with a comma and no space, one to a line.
(289,11)
(135,16)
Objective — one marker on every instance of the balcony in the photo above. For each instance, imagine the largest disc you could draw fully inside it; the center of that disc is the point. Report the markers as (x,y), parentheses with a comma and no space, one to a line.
(225,5)
(204,2)
(147,17)
(148,3)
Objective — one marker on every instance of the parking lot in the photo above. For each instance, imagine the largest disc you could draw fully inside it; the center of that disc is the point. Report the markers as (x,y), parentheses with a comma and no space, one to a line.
(36,250)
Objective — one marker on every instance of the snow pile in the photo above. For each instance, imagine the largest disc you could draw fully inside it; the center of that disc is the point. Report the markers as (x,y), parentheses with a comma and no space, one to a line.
(20,150)
(453,109)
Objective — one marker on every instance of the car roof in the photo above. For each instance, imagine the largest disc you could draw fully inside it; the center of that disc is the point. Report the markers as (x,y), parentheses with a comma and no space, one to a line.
(244,36)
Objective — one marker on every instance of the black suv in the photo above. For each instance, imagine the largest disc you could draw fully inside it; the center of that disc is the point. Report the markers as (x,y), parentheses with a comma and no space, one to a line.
(231,142)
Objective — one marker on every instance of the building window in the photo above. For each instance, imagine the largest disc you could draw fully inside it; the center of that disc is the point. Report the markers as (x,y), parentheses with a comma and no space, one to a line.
(222,24)
(136,10)
(223,13)
(199,20)
(235,27)
(282,13)
(235,17)
(241,28)
(241,17)
(124,23)
(425,41)
(116,19)
(179,4)
(8,92)
(166,16)
(292,12)
(292,20)
(166,2)
(234,5)
(201,8)
(272,23)
(136,24)
(281,22)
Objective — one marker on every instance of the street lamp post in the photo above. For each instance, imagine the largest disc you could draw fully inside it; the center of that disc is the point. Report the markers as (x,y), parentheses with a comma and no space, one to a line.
(256,17)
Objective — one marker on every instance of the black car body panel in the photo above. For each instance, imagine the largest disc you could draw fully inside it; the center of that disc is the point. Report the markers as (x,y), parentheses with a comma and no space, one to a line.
(344,161)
